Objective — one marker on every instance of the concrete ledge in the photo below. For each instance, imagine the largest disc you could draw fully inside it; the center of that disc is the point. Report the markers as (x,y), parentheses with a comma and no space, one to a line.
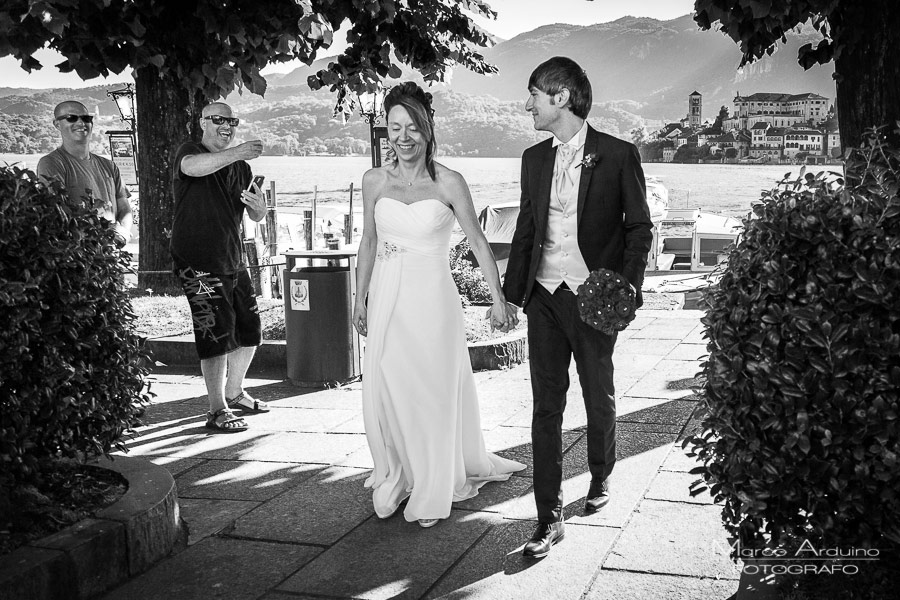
(499,353)
(271,356)
(97,554)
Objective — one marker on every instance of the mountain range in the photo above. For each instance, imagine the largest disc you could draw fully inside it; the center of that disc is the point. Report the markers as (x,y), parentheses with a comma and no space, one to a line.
(642,71)
(653,63)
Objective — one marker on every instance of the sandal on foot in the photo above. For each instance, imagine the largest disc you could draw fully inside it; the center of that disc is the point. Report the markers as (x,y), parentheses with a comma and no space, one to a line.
(247,403)
(225,420)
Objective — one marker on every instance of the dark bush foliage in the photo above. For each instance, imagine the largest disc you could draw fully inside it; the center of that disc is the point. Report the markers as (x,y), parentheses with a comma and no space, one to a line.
(71,370)
(469,280)
(801,436)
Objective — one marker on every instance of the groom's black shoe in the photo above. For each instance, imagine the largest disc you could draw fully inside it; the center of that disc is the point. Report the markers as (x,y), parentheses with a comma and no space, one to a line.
(544,536)
(598,497)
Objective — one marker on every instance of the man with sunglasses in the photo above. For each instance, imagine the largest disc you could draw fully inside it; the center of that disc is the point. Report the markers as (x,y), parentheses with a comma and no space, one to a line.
(82,172)
(212,187)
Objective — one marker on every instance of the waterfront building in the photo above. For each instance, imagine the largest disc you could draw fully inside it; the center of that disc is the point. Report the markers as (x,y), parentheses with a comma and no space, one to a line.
(803,140)
(811,108)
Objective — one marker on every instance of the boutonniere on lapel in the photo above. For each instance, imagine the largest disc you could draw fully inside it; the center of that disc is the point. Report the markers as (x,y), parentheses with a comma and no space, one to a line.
(589,161)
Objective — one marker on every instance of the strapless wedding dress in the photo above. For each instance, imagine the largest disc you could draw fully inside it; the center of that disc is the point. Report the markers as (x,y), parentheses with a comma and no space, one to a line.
(420,404)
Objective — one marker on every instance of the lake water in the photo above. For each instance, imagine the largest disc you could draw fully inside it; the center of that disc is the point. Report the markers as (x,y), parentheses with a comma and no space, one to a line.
(725,189)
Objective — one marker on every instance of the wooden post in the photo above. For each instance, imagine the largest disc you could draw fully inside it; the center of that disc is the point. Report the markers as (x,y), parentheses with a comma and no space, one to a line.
(314,217)
(265,284)
(348,220)
(307,229)
(272,228)
(253,261)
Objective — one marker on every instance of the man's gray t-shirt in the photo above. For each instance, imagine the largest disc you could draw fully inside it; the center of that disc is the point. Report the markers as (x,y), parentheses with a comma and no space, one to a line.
(97,174)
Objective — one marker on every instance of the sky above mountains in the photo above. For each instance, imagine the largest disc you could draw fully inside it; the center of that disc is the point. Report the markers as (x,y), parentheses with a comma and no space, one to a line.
(514,17)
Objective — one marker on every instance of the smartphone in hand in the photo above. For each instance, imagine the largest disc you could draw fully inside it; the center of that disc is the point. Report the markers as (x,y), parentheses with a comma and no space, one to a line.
(258,180)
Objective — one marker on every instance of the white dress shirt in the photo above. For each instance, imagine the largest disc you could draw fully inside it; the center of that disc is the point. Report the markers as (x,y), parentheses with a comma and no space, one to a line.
(561,259)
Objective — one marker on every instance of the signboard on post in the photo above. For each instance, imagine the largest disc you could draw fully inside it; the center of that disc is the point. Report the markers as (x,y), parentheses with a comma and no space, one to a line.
(122,150)
(380,144)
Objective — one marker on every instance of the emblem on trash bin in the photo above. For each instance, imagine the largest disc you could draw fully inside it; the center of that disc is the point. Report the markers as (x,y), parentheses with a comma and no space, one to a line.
(299,294)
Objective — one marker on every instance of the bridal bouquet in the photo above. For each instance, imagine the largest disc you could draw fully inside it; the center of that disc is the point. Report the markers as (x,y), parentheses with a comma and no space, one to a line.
(606,301)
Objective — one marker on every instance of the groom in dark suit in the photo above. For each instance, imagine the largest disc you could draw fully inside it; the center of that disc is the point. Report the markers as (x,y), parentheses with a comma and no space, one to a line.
(583,208)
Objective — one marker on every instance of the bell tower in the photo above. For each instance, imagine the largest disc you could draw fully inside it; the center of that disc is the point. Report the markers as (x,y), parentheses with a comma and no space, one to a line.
(695,109)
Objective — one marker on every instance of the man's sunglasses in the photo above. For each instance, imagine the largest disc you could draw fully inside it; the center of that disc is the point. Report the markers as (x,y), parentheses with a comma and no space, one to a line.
(74,118)
(219,119)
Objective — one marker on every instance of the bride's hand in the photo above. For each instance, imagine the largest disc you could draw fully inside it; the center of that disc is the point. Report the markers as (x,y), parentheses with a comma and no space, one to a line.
(501,317)
(360,320)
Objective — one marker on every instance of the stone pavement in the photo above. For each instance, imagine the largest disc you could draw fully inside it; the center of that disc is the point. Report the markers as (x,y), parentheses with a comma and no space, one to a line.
(280,511)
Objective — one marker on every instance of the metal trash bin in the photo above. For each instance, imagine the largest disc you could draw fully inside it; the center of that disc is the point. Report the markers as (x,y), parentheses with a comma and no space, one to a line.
(322,347)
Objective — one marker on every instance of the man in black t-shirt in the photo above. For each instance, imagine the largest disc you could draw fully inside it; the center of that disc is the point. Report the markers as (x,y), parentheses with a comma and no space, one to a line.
(210,185)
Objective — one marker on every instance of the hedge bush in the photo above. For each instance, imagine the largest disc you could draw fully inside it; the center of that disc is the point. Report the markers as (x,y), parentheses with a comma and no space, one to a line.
(801,435)
(71,368)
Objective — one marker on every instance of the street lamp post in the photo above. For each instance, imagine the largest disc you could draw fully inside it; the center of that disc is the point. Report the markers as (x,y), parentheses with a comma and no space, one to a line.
(123,144)
(371,107)
(124,100)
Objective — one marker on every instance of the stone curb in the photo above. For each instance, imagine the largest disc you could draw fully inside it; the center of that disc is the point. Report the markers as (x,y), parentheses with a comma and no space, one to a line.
(271,356)
(94,555)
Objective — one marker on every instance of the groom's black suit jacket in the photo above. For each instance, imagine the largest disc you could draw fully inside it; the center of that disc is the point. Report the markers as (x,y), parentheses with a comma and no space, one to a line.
(614,227)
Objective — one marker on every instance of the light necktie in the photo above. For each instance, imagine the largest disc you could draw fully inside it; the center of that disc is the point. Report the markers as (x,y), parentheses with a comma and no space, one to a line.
(564,180)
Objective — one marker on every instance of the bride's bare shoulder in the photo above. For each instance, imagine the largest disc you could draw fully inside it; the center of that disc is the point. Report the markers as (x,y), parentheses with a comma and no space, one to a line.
(447,176)
(377,175)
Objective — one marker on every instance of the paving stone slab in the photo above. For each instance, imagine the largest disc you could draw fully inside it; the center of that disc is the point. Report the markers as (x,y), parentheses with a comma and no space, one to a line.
(495,569)
(697,335)
(671,380)
(177,389)
(175,466)
(689,352)
(243,480)
(518,448)
(638,348)
(635,363)
(343,398)
(320,511)
(626,405)
(669,330)
(673,412)
(627,585)
(195,441)
(208,517)
(302,420)
(675,487)
(221,568)
(672,315)
(390,558)
(638,457)
(674,538)
(498,496)
(321,448)
(355,424)
(627,428)
(360,458)
(678,460)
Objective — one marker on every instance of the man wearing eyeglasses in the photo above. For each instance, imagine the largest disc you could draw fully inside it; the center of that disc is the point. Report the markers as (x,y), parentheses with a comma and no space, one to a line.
(84,173)
(212,187)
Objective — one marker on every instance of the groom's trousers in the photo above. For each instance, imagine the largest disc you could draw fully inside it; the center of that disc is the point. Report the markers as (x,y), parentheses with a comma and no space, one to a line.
(555,334)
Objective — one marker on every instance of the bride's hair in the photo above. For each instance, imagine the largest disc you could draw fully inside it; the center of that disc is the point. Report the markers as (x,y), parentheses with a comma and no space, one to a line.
(417,103)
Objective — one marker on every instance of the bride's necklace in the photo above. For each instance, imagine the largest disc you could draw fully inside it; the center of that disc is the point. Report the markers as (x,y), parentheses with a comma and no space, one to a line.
(408,182)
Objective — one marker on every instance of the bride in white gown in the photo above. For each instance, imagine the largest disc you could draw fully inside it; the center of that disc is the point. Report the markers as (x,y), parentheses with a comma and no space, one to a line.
(420,404)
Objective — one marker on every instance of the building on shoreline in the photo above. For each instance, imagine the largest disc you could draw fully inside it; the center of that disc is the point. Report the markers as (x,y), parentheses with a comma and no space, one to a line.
(762,127)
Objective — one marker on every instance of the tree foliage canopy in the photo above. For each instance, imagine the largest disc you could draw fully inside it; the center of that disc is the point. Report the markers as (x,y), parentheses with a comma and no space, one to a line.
(217,46)
(758,25)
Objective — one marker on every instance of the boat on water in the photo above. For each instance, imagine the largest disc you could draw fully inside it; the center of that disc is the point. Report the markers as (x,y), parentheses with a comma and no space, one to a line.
(684,239)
